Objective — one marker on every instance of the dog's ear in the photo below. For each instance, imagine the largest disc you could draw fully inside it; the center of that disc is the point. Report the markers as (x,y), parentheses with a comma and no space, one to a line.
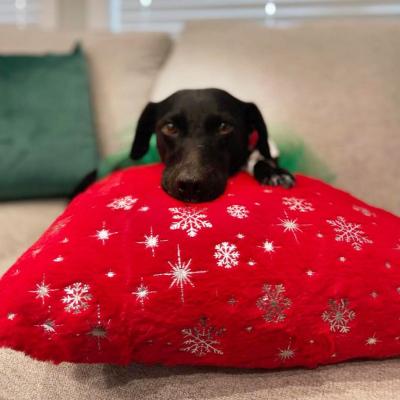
(255,121)
(144,130)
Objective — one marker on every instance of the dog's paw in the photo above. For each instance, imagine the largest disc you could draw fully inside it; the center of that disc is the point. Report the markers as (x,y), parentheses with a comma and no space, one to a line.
(284,179)
(272,175)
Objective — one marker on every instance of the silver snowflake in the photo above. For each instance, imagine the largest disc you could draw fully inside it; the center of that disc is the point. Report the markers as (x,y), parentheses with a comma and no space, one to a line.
(364,211)
(42,290)
(202,339)
(286,353)
(296,204)
(189,219)
(372,340)
(238,211)
(59,225)
(180,273)
(291,225)
(349,232)
(152,241)
(104,234)
(226,254)
(49,326)
(268,246)
(99,330)
(338,315)
(274,303)
(123,203)
(142,293)
(77,297)
(11,316)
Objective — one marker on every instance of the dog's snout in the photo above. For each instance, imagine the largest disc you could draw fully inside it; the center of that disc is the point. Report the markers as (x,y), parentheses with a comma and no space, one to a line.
(190,188)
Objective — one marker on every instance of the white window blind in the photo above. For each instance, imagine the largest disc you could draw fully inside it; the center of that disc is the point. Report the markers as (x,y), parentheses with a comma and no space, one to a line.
(170,15)
(19,12)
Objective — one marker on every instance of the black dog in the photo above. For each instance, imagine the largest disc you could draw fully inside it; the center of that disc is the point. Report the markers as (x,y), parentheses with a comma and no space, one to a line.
(203,138)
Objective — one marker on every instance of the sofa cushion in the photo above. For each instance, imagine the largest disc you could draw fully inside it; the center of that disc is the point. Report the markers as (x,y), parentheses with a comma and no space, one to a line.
(259,278)
(21,224)
(45,116)
(335,84)
(122,69)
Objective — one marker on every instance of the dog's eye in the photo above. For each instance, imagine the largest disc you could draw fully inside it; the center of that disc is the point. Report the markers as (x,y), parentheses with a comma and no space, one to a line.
(169,129)
(225,128)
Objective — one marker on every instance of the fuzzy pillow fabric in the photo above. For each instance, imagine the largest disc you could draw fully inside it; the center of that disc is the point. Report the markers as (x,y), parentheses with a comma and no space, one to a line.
(260,278)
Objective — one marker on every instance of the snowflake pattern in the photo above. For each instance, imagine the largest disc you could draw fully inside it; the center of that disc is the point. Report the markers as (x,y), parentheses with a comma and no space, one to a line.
(104,234)
(349,232)
(189,219)
(291,225)
(237,211)
(99,330)
(42,290)
(338,315)
(286,354)
(274,303)
(59,225)
(48,326)
(202,339)
(180,274)
(364,211)
(268,246)
(142,293)
(226,254)
(296,204)
(152,241)
(77,297)
(123,203)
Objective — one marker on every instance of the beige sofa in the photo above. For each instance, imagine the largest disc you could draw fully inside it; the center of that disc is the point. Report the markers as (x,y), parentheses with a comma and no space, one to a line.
(336,84)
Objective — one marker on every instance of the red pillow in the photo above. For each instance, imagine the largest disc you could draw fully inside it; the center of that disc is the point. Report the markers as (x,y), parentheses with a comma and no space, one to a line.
(262,277)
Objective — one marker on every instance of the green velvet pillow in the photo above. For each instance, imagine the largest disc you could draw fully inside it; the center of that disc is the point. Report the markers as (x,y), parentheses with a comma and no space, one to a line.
(47,141)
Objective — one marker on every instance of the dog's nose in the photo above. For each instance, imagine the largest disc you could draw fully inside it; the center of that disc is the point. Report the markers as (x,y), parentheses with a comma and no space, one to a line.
(189,188)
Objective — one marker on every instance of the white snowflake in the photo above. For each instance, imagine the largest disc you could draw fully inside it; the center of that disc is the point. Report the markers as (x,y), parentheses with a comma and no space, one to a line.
(226,254)
(59,259)
(189,219)
(274,303)
(372,341)
(349,232)
(238,211)
(110,274)
(42,290)
(202,339)
(364,211)
(99,330)
(142,292)
(268,246)
(104,234)
(59,225)
(49,326)
(180,273)
(338,315)
(77,297)
(152,241)
(123,203)
(11,316)
(291,225)
(296,204)
(144,209)
(286,353)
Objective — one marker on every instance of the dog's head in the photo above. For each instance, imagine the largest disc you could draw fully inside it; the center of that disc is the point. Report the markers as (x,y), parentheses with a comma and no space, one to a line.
(202,138)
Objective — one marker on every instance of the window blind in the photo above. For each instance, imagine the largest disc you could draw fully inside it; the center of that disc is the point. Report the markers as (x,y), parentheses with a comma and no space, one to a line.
(170,15)
(19,12)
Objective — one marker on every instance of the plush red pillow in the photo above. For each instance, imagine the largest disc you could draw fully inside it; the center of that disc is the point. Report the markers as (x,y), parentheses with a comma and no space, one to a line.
(261,277)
